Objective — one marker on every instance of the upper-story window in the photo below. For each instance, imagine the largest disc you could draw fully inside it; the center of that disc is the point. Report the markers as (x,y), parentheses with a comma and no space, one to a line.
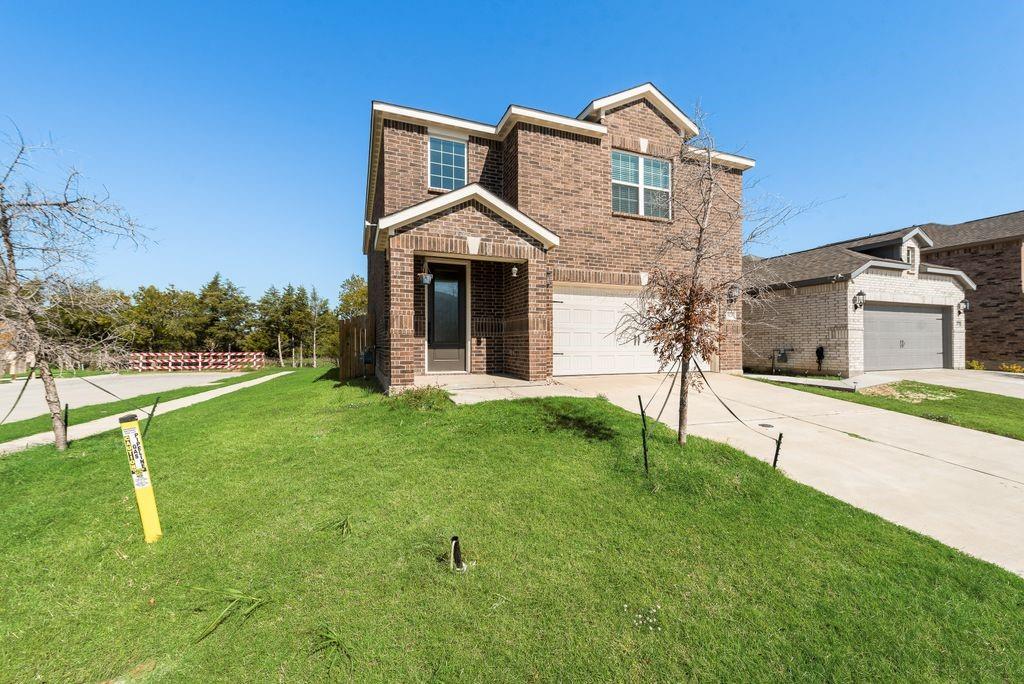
(641,185)
(447,163)
(910,257)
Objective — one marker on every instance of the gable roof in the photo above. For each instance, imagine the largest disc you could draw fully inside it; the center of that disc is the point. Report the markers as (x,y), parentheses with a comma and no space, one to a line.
(646,91)
(1001,227)
(466,193)
(843,260)
(830,263)
(581,125)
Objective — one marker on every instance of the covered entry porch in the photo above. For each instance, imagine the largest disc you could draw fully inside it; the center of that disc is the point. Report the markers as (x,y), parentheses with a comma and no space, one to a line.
(468,290)
(471,316)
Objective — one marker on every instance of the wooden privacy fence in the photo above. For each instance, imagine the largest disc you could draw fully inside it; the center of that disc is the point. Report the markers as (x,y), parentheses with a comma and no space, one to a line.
(355,336)
(196,361)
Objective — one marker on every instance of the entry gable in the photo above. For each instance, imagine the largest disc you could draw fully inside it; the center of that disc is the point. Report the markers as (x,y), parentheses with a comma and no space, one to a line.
(389,224)
(647,91)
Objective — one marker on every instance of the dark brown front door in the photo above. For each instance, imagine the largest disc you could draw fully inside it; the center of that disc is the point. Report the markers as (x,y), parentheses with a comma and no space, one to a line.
(446,318)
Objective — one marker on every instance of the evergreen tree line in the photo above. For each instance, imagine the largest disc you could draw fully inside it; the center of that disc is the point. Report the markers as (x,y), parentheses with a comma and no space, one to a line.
(292,325)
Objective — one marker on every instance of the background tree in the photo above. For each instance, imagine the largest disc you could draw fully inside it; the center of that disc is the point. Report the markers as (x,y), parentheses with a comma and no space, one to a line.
(272,320)
(87,323)
(352,297)
(297,321)
(227,315)
(48,238)
(684,306)
(320,319)
(164,320)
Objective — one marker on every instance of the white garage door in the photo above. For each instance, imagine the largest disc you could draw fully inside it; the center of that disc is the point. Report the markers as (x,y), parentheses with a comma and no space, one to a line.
(585,342)
(902,336)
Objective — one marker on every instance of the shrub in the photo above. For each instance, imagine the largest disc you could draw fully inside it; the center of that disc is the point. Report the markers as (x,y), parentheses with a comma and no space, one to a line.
(1012,368)
(974,364)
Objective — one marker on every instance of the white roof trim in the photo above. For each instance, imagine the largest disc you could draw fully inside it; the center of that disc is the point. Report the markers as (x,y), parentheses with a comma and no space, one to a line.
(917,232)
(474,191)
(513,114)
(516,113)
(733,161)
(646,91)
(955,272)
(895,265)
(418,116)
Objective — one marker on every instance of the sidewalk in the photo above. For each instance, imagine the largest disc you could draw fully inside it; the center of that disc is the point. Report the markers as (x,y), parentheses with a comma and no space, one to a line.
(94,427)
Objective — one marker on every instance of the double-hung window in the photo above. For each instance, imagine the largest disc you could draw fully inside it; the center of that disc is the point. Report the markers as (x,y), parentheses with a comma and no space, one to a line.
(641,185)
(447,164)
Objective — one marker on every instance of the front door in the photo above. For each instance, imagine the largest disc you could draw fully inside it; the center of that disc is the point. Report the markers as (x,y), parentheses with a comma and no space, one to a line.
(446,318)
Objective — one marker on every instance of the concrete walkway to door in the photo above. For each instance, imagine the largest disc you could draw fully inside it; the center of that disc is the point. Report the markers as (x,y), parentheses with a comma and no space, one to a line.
(962,487)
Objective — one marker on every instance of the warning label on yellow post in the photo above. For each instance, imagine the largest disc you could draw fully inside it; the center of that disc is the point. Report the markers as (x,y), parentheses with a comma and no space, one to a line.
(140,477)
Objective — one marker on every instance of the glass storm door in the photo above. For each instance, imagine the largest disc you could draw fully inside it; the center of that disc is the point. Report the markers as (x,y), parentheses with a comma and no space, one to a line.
(446,318)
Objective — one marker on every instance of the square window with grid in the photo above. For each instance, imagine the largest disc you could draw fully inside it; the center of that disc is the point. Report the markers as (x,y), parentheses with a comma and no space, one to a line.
(641,185)
(447,164)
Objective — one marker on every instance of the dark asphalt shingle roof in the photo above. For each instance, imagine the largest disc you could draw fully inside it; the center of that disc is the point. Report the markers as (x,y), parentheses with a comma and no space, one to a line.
(832,261)
(981,230)
(840,259)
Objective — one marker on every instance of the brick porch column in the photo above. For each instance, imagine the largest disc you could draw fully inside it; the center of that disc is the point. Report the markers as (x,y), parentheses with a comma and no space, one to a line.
(539,328)
(401,282)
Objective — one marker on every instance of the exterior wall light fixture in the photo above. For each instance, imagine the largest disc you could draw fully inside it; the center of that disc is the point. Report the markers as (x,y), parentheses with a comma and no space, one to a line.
(964,306)
(732,295)
(515,271)
(426,278)
(858,300)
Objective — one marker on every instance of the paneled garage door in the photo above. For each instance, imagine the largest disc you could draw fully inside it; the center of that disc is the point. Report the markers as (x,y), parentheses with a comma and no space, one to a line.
(585,342)
(902,336)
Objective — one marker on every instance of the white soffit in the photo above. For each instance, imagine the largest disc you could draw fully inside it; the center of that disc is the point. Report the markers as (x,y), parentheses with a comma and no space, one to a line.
(513,114)
(474,191)
(733,161)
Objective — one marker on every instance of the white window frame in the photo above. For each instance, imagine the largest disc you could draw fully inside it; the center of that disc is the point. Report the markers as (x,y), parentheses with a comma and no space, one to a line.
(639,185)
(450,137)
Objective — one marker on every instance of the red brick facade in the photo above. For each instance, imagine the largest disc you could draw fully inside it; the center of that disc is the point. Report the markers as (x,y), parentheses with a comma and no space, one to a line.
(995,322)
(561,180)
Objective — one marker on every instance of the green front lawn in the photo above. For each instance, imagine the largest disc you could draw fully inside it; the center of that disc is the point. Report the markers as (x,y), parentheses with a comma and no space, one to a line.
(983,411)
(144,403)
(331,507)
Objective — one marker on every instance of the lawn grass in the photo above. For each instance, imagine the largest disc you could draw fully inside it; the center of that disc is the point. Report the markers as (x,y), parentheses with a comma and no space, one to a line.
(33,426)
(316,517)
(995,413)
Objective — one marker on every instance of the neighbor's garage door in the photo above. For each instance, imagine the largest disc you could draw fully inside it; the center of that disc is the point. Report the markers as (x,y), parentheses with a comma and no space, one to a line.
(901,336)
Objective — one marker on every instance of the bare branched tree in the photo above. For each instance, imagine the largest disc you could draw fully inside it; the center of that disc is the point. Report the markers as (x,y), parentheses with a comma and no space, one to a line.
(696,281)
(48,239)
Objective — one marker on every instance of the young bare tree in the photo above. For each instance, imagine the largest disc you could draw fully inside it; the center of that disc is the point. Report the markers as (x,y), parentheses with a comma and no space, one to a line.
(696,281)
(48,238)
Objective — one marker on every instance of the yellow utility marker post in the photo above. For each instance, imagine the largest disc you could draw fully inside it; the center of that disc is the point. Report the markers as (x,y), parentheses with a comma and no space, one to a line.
(140,477)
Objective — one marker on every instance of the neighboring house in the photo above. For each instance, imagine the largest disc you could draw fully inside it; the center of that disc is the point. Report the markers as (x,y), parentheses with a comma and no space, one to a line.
(865,304)
(515,248)
(991,252)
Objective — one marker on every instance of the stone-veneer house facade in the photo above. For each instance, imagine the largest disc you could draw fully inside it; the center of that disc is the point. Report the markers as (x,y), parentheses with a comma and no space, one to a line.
(867,304)
(991,252)
(514,248)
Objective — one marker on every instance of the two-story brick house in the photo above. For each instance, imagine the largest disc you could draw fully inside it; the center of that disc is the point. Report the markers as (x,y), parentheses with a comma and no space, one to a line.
(515,248)
(991,252)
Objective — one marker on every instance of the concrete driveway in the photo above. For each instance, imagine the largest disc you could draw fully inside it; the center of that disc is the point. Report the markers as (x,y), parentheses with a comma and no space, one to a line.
(77,392)
(962,487)
(995,382)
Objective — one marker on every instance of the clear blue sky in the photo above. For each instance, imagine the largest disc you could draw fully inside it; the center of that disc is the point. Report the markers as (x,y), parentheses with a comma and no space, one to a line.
(238,133)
